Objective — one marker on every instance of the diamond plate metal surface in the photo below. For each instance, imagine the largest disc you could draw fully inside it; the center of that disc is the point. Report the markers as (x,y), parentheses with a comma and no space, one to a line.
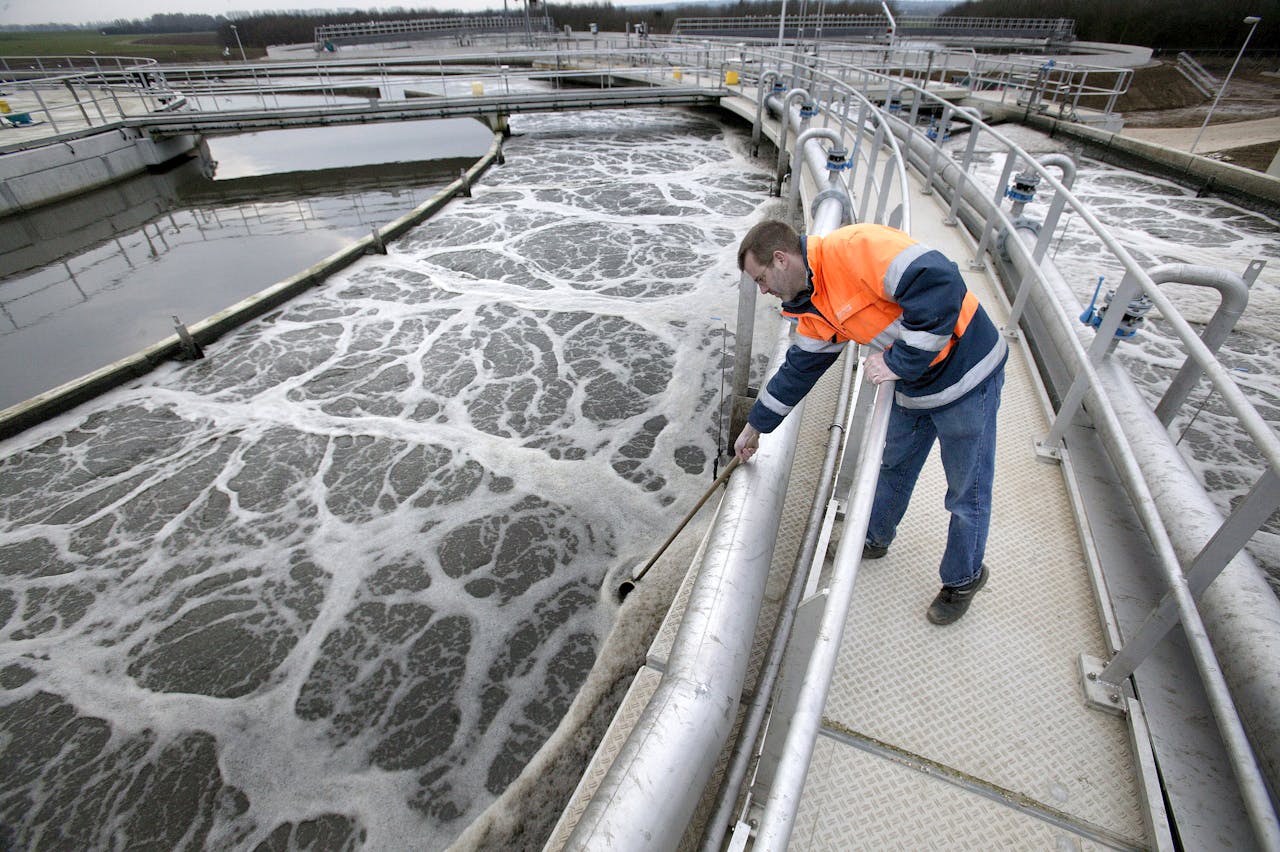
(997,694)
(857,800)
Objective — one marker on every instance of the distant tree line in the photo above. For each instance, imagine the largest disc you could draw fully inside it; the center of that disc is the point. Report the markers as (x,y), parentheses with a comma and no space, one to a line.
(163,24)
(1161,24)
(260,30)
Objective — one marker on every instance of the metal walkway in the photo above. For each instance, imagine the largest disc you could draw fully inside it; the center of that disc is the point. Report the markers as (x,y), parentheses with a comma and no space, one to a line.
(484,107)
(975,735)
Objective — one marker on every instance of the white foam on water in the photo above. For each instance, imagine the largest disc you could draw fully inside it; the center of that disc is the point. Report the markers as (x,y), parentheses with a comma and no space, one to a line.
(346,570)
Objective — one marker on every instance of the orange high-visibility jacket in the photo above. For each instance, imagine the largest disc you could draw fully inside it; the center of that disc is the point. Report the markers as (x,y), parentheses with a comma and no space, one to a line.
(876,285)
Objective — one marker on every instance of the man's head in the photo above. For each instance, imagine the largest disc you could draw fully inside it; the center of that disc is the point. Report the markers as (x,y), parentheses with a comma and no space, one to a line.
(772,256)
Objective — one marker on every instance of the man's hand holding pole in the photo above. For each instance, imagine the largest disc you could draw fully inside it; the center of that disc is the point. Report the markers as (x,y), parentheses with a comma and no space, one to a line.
(747,444)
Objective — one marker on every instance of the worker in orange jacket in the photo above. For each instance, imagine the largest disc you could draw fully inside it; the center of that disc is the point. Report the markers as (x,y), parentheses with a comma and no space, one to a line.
(875,285)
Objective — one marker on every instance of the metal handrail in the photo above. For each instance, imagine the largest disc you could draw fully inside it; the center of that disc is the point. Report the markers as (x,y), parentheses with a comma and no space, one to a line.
(1052,28)
(1244,764)
(424,26)
(51,67)
(784,794)
(101,87)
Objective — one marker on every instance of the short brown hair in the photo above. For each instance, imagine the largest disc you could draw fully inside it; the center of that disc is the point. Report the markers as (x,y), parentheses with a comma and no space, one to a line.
(767,237)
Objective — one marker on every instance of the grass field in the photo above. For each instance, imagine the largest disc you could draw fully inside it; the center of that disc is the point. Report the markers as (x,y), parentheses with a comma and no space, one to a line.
(177,47)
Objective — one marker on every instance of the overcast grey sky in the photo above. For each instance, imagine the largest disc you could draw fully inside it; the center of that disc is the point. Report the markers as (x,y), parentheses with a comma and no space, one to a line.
(86,11)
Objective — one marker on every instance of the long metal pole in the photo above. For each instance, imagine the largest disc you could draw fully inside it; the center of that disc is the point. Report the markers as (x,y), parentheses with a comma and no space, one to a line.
(235,32)
(1252,19)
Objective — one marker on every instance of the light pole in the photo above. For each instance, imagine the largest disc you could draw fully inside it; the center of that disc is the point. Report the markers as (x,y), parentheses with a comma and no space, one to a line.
(1252,20)
(235,32)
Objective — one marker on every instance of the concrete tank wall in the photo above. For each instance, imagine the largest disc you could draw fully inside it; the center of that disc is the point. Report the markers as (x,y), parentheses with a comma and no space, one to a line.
(58,170)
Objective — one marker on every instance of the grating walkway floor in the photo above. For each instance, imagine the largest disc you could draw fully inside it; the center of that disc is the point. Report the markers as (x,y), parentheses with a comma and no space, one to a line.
(976,735)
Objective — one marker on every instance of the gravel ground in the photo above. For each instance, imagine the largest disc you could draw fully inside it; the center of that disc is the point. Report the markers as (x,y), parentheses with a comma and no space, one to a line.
(1160,97)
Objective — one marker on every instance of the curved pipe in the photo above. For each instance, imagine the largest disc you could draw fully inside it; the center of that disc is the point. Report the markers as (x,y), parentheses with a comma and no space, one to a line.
(817,159)
(785,109)
(761,94)
(1063,162)
(1235,298)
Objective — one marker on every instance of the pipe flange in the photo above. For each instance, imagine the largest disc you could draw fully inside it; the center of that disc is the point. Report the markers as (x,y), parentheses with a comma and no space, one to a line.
(839,194)
(1022,223)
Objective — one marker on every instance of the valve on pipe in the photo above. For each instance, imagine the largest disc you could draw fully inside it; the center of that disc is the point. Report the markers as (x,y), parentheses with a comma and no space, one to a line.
(1134,312)
(838,160)
(1023,191)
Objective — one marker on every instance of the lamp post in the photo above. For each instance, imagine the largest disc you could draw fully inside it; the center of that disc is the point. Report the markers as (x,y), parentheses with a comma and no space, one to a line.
(235,32)
(1252,20)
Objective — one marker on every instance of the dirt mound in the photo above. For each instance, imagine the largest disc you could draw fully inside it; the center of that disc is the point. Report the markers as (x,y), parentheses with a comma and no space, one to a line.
(1159,87)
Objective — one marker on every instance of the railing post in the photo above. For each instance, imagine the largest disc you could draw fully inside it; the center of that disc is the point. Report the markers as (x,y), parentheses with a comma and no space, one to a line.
(742,348)
(989,225)
(885,183)
(1103,340)
(876,142)
(937,150)
(1245,520)
(52,121)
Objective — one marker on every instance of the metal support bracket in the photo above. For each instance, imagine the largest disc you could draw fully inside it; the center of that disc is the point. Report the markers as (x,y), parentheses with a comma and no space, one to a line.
(1098,694)
(741,837)
(1047,453)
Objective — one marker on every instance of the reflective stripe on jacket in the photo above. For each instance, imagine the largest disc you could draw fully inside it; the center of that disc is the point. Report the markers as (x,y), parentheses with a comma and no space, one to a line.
(876,285)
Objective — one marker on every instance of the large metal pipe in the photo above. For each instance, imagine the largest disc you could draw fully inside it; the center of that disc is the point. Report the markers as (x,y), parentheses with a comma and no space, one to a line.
(658,777)
(740,760)
(649,793)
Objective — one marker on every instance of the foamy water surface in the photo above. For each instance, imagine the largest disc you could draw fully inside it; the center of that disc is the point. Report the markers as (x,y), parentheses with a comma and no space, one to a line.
(335,584)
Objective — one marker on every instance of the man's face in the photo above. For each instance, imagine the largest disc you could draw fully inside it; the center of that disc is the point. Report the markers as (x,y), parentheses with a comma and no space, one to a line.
(784,276)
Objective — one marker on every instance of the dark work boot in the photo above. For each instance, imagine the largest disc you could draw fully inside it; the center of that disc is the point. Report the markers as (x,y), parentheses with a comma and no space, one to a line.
(953,601)
(874,551)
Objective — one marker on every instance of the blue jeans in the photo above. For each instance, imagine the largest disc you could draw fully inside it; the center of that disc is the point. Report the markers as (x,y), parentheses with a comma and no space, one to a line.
(966,433)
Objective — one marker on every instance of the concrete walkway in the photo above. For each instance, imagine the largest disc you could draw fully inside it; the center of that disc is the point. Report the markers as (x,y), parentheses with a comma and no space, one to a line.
(1217,137)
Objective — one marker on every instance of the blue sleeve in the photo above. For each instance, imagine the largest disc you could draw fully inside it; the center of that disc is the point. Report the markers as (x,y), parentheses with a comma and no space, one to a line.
(930,293)
(799,372)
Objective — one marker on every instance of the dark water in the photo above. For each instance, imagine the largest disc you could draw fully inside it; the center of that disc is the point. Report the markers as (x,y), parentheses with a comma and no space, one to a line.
(109,270)
(333,586)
